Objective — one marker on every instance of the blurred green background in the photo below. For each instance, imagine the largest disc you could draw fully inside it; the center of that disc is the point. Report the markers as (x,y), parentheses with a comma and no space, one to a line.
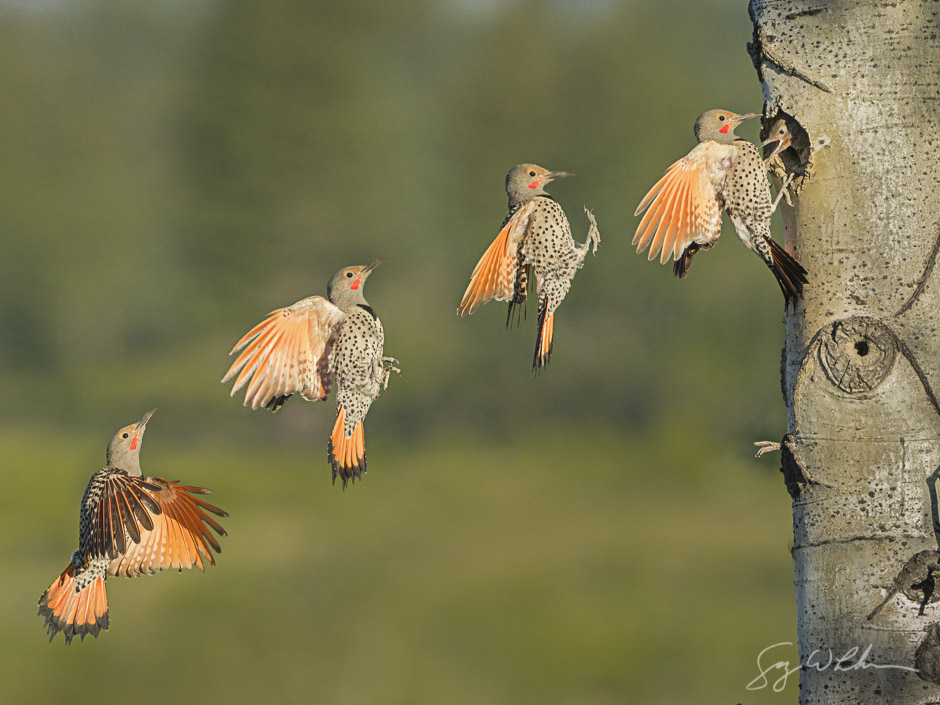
(171,171)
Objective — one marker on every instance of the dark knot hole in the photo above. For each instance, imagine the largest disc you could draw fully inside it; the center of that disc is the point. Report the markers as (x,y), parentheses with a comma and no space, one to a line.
(861,347)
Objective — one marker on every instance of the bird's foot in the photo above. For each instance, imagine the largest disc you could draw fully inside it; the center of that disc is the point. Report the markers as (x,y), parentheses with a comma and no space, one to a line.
(766,447)
(389,365)
(784,192)
(594,236)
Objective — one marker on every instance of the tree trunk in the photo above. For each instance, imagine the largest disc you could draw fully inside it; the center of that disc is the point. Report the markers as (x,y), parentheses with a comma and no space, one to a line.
(859,85)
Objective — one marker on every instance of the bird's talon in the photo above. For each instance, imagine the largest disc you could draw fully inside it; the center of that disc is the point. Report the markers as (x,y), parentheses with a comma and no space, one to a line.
(766,447)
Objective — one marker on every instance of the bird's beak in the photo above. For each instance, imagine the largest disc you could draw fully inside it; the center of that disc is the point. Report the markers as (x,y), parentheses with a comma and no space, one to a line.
(372,265)
(140,425)
(552,175)
(744,116)
(780,146)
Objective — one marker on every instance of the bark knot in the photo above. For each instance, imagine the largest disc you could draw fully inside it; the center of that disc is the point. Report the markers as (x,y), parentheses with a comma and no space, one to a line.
(917,581)
(927,656)
(857,354)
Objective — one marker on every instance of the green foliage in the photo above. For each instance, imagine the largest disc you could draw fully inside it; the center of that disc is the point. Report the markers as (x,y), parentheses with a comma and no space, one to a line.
(173,171)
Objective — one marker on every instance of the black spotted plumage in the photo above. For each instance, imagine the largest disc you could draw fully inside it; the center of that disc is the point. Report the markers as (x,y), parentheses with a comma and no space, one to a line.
(554,256)
(129,525)
(534,238)
(746,196)
(305,348)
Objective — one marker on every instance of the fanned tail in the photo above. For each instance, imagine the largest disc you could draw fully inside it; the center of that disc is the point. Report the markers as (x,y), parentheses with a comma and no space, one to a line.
(74,613)
(544,338)
(789,273)
(347,455)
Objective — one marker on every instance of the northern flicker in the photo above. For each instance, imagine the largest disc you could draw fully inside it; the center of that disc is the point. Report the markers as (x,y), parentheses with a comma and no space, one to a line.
(778,139)
(723,172)
(300,349)
(534,237)
(129,525)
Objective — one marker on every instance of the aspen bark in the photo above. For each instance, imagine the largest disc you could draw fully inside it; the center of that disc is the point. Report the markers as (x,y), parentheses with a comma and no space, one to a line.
(859,85)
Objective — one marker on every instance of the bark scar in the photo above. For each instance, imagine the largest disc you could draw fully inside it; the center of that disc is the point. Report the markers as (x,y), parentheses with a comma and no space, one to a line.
(809,12)
(795,476)
(925,275)
(927,656)
(934,509)
(761,52)
(909,356)
(916,580)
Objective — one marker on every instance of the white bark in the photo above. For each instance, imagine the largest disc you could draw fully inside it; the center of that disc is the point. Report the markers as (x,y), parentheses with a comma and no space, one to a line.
(861,369)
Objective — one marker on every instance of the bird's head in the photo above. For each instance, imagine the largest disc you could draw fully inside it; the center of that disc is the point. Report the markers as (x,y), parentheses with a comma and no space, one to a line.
(718,125)
(526,181)
(346,285)
(124,448)
(778,139)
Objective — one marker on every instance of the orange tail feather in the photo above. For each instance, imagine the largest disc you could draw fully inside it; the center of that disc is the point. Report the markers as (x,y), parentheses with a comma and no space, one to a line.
(545,341)
(71,612)
(347,455)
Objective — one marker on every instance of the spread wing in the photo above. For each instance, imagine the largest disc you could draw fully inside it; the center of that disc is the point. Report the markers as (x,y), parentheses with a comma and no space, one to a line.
(126,509)
(684,206)
(494,277)
(178,536)
(287,353)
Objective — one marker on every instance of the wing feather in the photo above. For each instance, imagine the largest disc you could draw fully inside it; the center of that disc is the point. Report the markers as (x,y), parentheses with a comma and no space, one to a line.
(283,354)
(117,526)
(127,515)
(142,505)
(494,276)
(122,509)
(179,537)
(683,206)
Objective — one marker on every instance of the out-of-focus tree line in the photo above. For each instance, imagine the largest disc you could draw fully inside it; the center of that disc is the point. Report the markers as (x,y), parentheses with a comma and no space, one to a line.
(173,171)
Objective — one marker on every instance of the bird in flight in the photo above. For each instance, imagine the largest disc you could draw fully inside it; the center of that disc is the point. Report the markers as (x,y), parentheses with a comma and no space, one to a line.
(535,237)
(302,348)
(129,525)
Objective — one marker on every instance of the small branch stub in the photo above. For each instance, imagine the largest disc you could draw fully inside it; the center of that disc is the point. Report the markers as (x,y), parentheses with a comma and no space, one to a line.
(857,354)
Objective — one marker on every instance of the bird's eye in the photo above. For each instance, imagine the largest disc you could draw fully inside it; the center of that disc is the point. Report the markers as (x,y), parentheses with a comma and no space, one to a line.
(349,275)
(782,130)
(721,118)
(531,173)
(125,435)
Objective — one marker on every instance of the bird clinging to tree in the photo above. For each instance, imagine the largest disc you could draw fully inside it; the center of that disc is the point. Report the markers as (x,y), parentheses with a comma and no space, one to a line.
(535,236)
(129,525)
(302,348)
(723,172)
